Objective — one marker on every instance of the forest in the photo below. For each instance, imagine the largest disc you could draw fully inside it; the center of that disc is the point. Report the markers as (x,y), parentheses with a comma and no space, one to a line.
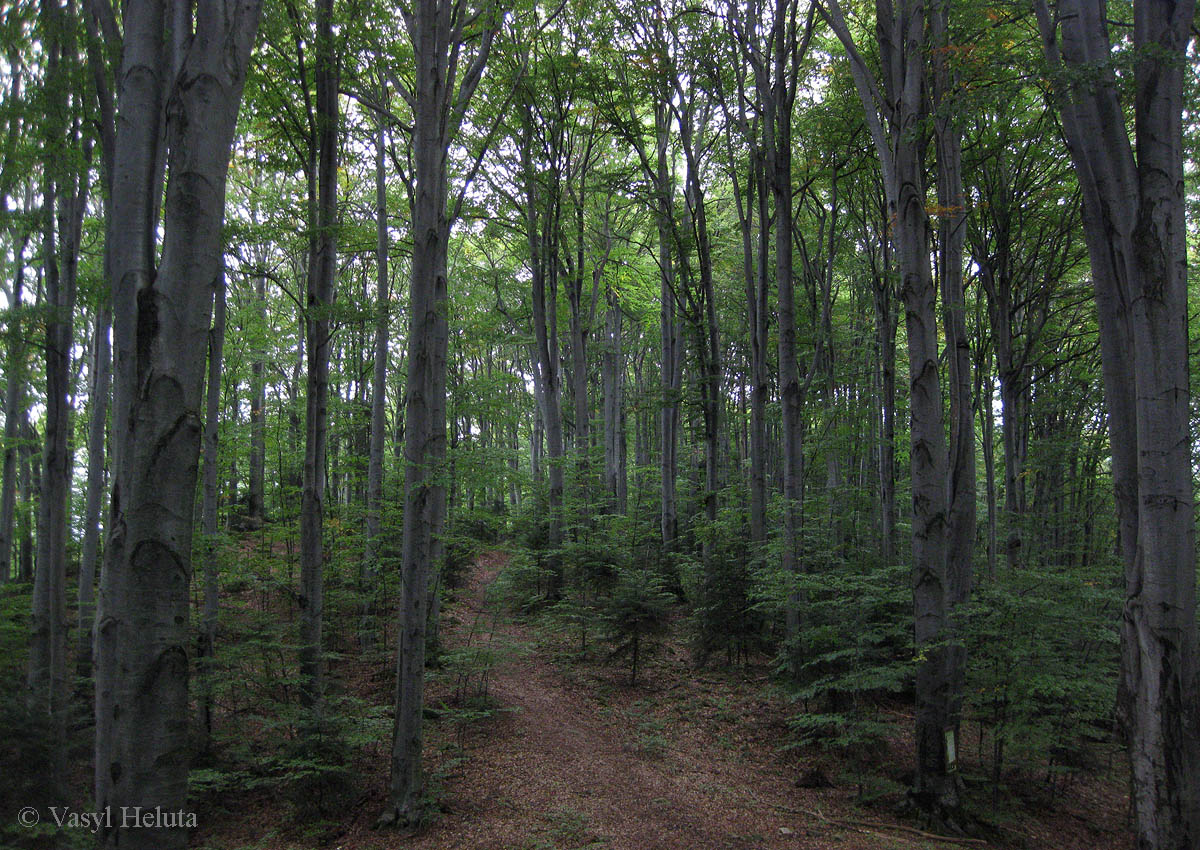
(630,425)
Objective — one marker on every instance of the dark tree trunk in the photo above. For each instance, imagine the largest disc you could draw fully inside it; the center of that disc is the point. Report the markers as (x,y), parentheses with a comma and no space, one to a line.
(97,427)
(14,392)
(435,29)
(64,197)
(208,511)
(322,274)
(1134,223)
(896,115)
(378,396)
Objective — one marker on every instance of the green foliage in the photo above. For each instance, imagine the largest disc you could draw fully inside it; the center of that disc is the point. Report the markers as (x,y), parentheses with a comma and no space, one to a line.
(854,651)
(635,609)
(1043,649)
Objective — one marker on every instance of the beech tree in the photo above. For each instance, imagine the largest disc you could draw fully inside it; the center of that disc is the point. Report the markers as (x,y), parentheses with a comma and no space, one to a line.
(1133,218)
(449,60)
(178,88)
(943,507)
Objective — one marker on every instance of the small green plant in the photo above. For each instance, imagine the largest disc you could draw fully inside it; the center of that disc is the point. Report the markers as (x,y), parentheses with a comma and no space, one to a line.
(634,612)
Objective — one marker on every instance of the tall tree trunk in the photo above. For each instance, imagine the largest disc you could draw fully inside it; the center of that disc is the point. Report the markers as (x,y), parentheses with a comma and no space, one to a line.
(322,273)
(97,426)
(886,323)
(160,322)
(542,211)
(208,513)
(671,361)
(1134,224)
(960,482)
(895,114)
(14,391)
(64,197)
(614,419)
(255,494)
(435,29)
(378,395)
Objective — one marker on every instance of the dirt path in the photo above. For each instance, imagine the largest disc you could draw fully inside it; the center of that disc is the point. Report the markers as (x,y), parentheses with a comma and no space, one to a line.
(571,756)
(571,764)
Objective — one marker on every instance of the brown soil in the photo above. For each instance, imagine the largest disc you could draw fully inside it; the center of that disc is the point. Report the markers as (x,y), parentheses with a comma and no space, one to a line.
(572,756)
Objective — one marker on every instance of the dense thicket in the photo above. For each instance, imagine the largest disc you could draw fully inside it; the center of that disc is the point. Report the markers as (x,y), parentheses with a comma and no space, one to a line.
(628,289)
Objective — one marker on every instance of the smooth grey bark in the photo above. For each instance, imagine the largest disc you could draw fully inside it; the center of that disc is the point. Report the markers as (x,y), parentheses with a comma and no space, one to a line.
(101,386)
(208,510)
(256,475)
(161,319)
(374,524)
(542,211)
(1134,224)
(447,72)
(960,480)
(896,116)
(613,379)
(321,290)
(14,392)
(775,57)
(64,196)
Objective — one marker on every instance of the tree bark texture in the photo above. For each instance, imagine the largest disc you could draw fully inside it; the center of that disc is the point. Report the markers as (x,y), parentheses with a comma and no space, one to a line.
(1133,205)
(97,428)
(160,326)
(322,275)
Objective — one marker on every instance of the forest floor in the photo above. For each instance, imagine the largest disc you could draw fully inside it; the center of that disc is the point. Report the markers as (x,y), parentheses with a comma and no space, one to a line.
(565,754)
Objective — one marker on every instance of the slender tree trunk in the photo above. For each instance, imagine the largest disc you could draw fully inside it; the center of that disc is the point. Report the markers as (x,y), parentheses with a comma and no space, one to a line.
(670,366)
(97,426)
(542,213)
(885,329)
(322,273)
(895,115)
(960,482)
(435,29)
(255,495)
(614,419)
(64,198)
(208,512)
(14,391)
(378,395)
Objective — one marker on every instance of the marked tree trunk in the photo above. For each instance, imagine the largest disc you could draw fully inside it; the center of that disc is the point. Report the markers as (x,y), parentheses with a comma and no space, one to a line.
(161,316)
(1134,223)
(895,114)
